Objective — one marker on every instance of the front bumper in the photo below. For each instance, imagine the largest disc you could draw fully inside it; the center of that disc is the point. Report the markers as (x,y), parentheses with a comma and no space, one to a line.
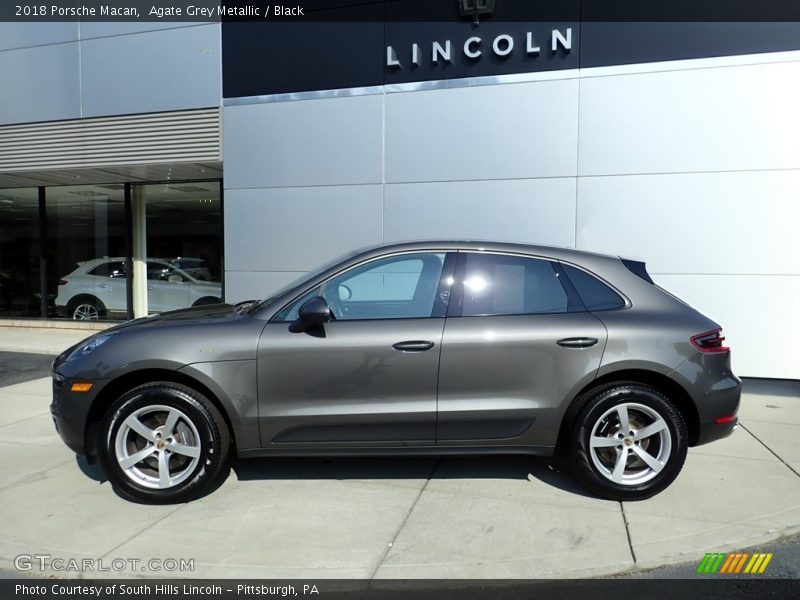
(70,411)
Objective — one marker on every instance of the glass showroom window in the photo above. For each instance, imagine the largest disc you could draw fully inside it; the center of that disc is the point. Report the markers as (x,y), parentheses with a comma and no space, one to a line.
(184,244)
(19,253)
(86,250)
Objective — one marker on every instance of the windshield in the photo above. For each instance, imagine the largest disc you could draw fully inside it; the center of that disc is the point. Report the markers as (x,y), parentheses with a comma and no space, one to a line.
(302,279)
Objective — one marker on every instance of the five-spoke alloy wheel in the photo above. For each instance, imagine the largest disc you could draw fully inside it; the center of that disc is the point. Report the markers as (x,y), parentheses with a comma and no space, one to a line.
(87,309)
(163,442)
(629,442)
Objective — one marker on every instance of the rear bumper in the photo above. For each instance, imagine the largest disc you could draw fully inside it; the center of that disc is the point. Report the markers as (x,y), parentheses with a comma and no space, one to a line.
(716,392)
(711,431)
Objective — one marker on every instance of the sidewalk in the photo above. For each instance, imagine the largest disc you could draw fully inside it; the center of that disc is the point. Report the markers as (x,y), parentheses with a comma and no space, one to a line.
(45,340)
(450,517)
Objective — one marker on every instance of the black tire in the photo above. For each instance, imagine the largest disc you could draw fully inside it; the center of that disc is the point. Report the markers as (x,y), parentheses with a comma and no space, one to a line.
(637,478)
(80,309)
(199,427)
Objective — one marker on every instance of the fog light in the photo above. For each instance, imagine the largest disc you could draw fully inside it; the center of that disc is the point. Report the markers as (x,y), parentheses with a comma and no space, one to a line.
(81,387)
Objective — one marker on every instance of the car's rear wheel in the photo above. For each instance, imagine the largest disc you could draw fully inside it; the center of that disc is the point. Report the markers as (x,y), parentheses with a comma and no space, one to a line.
(163,442)
(629,442)
(87,309)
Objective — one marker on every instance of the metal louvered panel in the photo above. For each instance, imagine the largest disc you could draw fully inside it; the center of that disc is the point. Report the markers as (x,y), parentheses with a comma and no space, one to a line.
(184,136)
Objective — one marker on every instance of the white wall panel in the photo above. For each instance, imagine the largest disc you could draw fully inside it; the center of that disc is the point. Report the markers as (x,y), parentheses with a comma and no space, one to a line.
(493,132)
(730,223)
(255,285)
(24,35)
(174,69)
(714,119)
(298,229)
(95,29)
(757,312)
(309,142)
(40,84)
(540,211)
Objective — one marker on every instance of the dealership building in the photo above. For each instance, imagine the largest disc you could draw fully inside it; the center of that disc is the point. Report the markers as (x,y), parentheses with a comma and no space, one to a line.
(236,156)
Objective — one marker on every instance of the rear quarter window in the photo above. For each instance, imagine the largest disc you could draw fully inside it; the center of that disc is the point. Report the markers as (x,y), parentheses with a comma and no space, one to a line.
(595,294)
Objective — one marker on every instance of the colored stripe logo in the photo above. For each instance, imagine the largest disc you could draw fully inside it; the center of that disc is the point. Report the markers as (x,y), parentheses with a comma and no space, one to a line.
(734,563)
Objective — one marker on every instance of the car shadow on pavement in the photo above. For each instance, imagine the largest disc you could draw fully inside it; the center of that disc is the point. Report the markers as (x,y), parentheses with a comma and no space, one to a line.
(549,471)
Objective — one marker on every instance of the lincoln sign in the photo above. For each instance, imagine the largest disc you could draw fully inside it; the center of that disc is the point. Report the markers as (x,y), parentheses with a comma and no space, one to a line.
(474,47)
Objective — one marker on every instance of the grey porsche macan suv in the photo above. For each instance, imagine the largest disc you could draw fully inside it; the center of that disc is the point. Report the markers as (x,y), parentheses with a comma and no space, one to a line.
(414,348)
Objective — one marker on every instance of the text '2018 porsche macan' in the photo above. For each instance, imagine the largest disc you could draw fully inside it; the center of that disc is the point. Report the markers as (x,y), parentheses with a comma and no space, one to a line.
(413,348)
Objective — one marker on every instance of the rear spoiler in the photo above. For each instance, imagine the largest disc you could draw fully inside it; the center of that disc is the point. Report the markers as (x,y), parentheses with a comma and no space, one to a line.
(638,268)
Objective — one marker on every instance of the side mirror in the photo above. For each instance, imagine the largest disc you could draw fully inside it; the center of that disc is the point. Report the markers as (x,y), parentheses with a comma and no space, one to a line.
(175,279)
(313,312)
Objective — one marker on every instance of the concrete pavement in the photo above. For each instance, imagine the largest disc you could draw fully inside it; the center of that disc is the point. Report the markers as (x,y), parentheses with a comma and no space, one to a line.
(487,517)
(46,340)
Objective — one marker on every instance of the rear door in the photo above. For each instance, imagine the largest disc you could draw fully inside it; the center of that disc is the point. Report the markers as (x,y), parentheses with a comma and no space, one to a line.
(516,342)
(166,289)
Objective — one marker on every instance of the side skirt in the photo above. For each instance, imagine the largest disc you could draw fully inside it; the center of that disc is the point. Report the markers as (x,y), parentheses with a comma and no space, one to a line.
(408,451)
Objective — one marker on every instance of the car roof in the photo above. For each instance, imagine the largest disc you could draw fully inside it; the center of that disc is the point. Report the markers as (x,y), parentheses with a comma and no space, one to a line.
(93,262)
(557,252)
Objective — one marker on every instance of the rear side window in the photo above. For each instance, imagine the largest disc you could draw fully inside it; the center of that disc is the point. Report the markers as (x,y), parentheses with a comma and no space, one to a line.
(496,284)
(109,269)
(595,294)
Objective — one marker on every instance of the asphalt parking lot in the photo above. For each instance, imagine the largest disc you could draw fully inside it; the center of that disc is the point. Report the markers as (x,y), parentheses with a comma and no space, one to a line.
(491,517)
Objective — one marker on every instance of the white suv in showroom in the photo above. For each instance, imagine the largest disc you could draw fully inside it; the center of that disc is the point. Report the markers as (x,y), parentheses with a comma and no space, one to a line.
(97,289)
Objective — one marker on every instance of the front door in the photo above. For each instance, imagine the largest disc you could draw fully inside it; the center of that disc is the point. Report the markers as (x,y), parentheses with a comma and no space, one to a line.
(368,377)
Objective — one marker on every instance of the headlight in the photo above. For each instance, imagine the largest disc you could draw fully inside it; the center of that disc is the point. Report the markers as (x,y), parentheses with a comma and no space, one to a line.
(90,346)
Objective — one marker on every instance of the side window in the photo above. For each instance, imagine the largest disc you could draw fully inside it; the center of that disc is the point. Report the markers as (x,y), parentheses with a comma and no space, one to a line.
(496,284)
(595,294)
(109,269)
(398,287)
(158,271)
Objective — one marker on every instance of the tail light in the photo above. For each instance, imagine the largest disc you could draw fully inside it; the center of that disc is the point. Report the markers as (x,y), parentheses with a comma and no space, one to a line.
(710,342)
(62,282)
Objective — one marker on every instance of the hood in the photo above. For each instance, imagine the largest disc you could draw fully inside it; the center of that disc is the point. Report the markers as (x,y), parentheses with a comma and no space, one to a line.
(197,314)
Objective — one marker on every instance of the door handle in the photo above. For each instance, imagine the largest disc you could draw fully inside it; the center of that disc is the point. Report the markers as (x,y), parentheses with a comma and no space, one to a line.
(413,346)
(577,342)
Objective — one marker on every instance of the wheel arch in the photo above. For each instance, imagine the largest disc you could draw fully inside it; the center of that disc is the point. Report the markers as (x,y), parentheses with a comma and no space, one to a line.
(130,380)
(671,388)
(84,297)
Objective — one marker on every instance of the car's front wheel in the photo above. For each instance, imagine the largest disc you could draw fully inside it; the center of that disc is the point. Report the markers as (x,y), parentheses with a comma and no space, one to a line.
(629,442)
(163,442)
